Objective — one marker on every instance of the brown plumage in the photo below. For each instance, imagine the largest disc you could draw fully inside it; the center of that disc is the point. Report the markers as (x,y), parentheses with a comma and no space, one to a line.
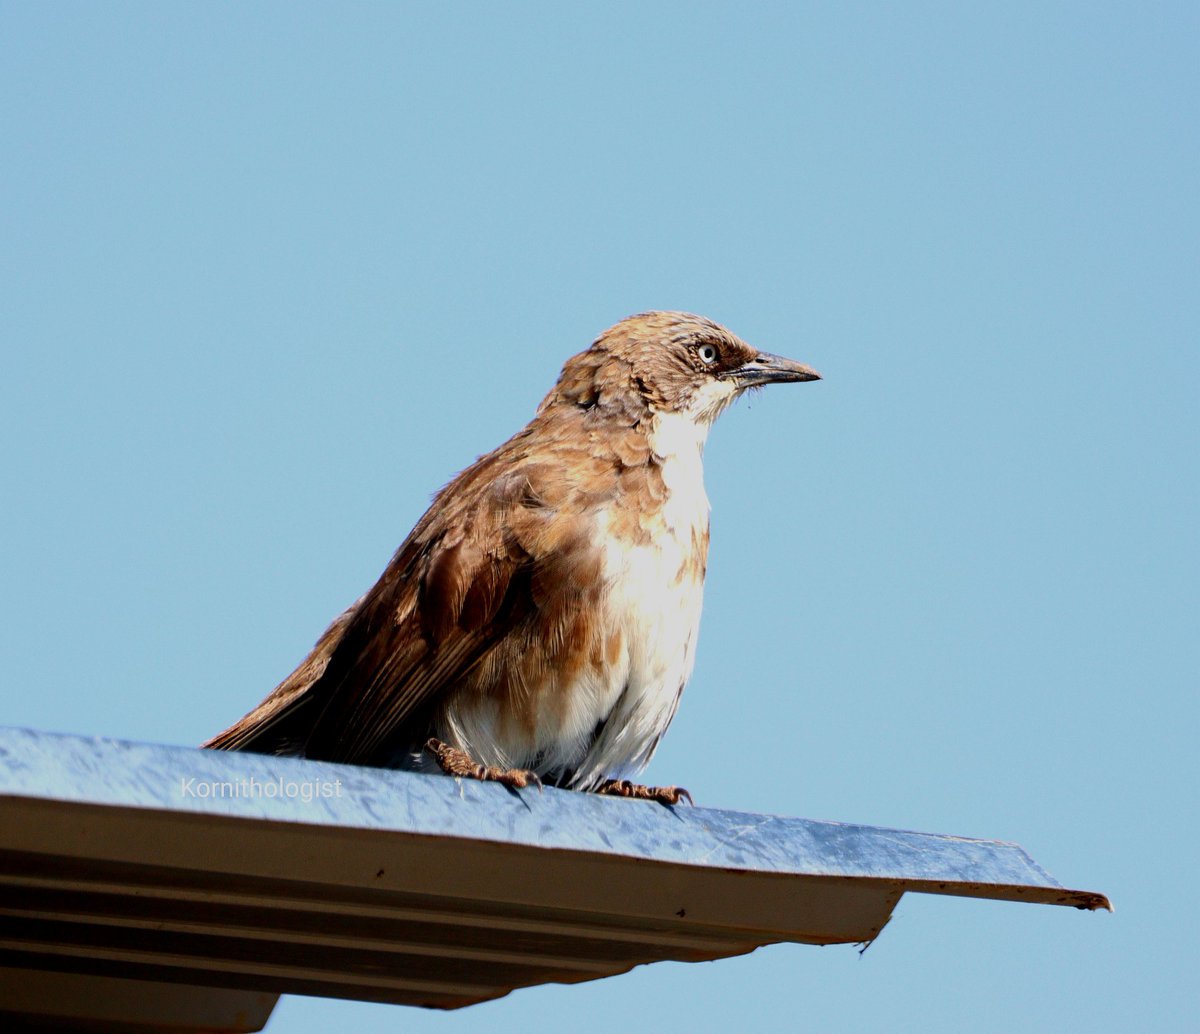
(541,616)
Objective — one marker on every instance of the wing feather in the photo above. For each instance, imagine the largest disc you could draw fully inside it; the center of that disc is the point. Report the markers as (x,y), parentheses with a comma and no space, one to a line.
(429,621)
(498,560)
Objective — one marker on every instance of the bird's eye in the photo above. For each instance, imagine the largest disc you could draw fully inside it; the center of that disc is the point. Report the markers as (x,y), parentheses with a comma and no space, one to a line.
(707,354)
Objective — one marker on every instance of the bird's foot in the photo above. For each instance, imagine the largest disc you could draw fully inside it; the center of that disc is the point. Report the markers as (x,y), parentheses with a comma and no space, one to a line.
(662,794)
(457,762)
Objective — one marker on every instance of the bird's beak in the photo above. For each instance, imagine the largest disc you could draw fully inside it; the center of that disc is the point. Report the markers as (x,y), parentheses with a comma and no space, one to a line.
(766,368)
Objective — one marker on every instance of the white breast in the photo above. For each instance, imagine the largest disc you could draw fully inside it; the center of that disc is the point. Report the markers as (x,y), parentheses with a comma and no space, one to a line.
(655,599)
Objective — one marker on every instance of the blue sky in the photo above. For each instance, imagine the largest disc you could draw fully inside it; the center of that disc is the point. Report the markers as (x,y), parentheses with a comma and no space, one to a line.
(271,273)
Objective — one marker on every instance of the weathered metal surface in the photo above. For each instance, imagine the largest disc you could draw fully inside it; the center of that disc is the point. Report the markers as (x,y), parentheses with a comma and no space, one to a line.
(251,873)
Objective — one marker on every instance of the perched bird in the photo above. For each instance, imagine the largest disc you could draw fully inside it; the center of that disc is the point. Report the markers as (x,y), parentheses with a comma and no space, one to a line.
(539,623)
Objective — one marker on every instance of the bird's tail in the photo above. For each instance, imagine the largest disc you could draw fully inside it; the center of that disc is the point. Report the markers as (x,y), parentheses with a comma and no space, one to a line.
(280,724)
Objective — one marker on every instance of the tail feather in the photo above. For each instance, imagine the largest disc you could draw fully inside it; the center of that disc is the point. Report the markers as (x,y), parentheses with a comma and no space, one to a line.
(280,724)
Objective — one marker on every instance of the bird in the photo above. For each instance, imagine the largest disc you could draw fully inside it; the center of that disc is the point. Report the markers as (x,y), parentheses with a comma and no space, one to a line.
(539,623)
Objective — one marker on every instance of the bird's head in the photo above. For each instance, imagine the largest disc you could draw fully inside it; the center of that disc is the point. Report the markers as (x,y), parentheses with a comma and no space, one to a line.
(672,362)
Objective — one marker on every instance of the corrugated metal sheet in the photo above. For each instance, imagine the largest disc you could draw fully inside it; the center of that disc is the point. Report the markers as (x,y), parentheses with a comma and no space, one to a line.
(256,875)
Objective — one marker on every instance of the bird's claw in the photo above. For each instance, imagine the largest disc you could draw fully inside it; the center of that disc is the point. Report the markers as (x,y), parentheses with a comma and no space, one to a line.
(669,795)
(459,763)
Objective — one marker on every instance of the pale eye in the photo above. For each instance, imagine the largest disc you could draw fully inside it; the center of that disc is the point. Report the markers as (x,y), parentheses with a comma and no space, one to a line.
(707,354)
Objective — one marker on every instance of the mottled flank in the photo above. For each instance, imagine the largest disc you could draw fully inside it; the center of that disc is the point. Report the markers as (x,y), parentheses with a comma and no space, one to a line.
(542,615)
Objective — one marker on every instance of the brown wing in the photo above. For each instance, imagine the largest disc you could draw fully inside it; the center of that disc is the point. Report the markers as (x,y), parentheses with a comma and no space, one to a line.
(428,621)
(273,727)
(479,571)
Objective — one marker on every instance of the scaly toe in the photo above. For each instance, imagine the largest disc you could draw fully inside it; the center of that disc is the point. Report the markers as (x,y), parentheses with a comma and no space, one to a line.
(459,763)
(668,795)
(515,778)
